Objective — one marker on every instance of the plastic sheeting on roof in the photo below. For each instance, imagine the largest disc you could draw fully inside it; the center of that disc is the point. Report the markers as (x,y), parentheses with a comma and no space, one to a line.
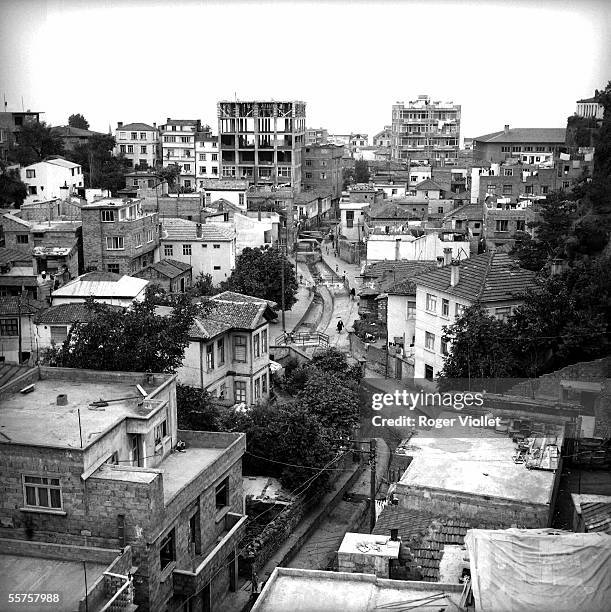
(524,570)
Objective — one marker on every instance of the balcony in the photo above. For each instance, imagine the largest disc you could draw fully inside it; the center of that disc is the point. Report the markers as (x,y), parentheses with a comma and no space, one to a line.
(187,582)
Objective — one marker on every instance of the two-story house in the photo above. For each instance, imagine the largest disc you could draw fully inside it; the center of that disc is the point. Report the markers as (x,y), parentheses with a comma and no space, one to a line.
(46,179)
(209,248)
(91,459)
(138,143)
(17,329)
(228,352)
(492,279)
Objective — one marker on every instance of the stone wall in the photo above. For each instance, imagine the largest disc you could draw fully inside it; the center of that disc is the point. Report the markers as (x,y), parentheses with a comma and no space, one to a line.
(358,563)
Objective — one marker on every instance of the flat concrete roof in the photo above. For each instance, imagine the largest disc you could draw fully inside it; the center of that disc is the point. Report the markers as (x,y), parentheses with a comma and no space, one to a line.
(369,544)
(179,469)
(37,575)
(300,590)
(35,418)
(478,465)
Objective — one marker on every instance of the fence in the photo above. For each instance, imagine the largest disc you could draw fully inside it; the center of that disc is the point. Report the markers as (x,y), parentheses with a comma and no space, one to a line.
(303,339)
(380,360)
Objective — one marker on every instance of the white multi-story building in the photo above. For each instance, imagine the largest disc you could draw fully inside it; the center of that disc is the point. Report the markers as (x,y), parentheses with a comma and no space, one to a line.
(590,108)
(209,248)
(492,279)
(50,179)
(178,147)
(138,143)
(207,154)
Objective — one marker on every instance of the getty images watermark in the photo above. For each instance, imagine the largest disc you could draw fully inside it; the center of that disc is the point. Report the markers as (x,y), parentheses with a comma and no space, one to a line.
(401,400)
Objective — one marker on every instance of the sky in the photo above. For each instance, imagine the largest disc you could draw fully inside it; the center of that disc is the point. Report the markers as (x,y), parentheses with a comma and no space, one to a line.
(519,62)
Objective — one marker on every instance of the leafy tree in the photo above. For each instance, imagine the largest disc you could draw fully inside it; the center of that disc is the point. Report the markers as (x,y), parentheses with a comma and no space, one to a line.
(134,339)
(169,174)
(480,347)
(203,286)
(347,177)
(361,171)
(195,409)
(258,272)
(36,142)
(78,121)
(13,191)
(530,253)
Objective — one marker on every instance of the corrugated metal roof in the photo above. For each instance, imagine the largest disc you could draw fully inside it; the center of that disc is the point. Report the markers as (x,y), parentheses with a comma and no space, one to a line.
(86,285)
(545,135)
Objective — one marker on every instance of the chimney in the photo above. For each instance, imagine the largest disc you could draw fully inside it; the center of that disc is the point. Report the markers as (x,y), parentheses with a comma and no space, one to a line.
(394,535)
(454,273)
(154,125)
(558,266)
(119,124)
(198,230)
(447,256)
(506,128)
(397,249)
(440,261)
(169,119)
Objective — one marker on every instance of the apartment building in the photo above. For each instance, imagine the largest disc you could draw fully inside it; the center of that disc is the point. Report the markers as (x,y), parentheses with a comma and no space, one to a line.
(261,141)
(492,279)
(118,235)
(503,221)
(514,142)
(316,136)
(138,143)
(228,353)
(209,248)
(177,139)
(207,157)
(114,479)
(52,178)
(322,168)
(425,129)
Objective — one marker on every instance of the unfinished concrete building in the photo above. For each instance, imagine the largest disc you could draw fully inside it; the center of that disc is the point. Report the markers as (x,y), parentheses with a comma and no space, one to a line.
(261,141)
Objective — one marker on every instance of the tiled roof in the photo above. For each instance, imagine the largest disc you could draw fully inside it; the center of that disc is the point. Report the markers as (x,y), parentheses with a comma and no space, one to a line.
(168,267)
(11,255)
(406,286)
(596,516)
(16,219)
(392,211)
(556,135)
(137,127)
(489,277)
(466,211)
(67,313)
(224,184)
(14,305)
(65,131)
(182,229)
(429,184)
(398,268)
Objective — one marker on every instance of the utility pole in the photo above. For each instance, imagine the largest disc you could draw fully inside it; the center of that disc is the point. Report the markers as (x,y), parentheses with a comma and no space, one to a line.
(19,328)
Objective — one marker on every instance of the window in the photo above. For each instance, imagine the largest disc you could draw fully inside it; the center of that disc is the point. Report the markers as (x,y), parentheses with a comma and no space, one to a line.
(528,149)
(167,550)
(122,135)
(220,347)
(540,149)
(264,383)
(186,249)
(202,157)
(516,149)
(133,135)
(264,341)
(308,175)
(58,334)
(505,149)
(520,225)
(138,239)
(22,239)
(529,189)
(566,184)
(507,189)
(130,148)
(502,225)
(502,313)
(349,218)
(32,189)
(168,250)
(210,356)
(30,174)
(216,246)
(143,149)
(491,188)
(428,371)
(445,308)
(115,243)
(42,492)
(508,172)
(187,168)
(216,267)
(122,148)
(142,135)
(440,210)
(444,347)
(184,139)
(150,235)
(239,391)
(113,267)
(257,389)
(215,170)
(459,309)
(9,327)
(257,345)
(323,176)
(161,431)
(239,348)
(195,532)
(431,302)
(223,390)
(107,216)
(411,309)
(544,189)
(221,493)
(215,156)
(429,341)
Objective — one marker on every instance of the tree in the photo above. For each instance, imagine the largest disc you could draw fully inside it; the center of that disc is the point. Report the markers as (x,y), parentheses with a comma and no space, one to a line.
(258,272)
(348,177)
(36,142)
(203,286)
(169,174)
(129,340)
(195,409)
(78,121)
(361,171)
(13,191)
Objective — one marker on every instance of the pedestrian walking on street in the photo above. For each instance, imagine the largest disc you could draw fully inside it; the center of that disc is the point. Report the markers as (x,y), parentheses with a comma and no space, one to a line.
(340,326)
(352,293)
(337,268)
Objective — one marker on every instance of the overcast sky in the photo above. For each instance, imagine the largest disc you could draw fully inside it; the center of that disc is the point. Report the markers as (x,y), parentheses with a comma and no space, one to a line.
(522,63)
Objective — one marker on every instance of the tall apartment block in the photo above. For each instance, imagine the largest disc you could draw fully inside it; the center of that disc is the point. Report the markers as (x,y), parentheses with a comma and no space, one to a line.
(118,236)
(178,147)
(261,141)
(425,129)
